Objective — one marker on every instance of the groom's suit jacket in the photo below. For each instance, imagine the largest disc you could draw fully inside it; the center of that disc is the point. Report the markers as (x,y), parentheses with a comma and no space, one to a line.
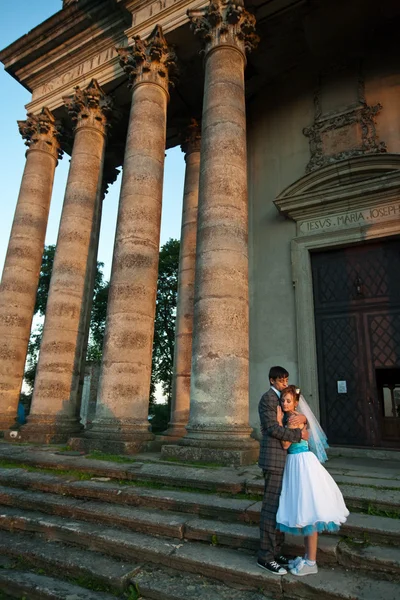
(272,455)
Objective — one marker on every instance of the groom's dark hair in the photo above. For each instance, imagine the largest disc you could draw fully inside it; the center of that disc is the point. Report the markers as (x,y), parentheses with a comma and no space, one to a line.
(278,373)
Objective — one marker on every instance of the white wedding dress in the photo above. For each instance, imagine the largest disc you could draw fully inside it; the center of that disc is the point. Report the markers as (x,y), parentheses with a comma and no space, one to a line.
(310,499)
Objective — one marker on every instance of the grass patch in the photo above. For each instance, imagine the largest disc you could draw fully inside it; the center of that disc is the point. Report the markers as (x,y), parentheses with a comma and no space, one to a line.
(133,592)
(8,464)
(356,542)
(198,464)
(154,485)
(214,539)
(372,487)
(378,512)
(117,458)
(89,583)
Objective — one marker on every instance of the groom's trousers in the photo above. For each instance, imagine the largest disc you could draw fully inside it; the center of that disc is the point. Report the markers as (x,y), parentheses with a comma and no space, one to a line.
(271,539)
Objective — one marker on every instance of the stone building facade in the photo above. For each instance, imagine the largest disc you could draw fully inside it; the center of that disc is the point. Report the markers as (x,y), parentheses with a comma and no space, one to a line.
(288,114)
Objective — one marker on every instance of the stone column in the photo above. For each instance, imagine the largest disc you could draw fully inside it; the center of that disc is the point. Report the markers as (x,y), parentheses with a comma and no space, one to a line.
(24,256)
(55,412)
(110,174)
(184,311)
(218,428)
(121,422)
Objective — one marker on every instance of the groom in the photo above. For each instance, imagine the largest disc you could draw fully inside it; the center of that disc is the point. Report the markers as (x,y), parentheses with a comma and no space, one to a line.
(272,461)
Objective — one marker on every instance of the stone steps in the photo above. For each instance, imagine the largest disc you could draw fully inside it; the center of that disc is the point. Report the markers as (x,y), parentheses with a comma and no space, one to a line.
(21,584)
(188,527)
(149,583)
(181,532)
(115,502)
(68,561)
(365,493)
(225,564)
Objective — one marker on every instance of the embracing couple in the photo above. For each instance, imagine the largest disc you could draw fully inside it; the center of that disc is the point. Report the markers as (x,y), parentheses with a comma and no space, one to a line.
(300,497)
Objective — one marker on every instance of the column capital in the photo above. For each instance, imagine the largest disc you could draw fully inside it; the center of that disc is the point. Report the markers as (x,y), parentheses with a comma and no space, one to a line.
(110,174)
(150,60)
(225,23)
(89,107)
(42,132)
(191,137)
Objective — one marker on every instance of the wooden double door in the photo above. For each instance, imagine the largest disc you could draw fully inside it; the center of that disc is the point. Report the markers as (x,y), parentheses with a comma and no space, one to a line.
(357,318)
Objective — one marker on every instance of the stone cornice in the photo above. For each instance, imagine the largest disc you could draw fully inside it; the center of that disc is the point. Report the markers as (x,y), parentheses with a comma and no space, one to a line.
(52,34)
(62,42)
(355,183)
(170,14)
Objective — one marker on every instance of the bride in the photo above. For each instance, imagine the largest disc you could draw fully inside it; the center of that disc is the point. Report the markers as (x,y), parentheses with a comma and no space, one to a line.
(310,501)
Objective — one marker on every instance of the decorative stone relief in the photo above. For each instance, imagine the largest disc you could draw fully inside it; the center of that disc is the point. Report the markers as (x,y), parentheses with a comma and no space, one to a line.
(89,106)
(343,134)
(42,132)
(191,137)
(150,60)
(225,22)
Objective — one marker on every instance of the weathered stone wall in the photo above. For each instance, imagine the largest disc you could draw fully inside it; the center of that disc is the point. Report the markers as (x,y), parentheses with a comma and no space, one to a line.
(278,155)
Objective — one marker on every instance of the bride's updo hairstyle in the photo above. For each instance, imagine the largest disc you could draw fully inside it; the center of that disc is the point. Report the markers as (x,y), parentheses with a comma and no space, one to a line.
(293,391)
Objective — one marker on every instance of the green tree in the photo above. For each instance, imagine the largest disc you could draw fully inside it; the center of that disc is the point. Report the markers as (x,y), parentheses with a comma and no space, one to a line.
(164,325)
(98,316)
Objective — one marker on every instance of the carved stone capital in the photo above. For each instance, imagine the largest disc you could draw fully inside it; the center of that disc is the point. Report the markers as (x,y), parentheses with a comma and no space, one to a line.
(150,60)
(191,137)
(89,107)
(42,132)
(110,175)
(225,22)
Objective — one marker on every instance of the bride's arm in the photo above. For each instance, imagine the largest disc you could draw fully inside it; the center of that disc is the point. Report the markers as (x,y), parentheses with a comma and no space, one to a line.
(279,418)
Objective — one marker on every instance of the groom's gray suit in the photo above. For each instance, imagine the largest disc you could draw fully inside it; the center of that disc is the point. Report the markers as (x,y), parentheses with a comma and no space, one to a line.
(272,461)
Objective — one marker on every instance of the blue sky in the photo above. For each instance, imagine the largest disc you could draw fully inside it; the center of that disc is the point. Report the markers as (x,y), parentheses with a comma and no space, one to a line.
(16,19)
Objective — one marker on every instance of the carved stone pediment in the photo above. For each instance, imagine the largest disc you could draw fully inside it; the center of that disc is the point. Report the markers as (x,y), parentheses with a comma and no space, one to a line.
(348,184)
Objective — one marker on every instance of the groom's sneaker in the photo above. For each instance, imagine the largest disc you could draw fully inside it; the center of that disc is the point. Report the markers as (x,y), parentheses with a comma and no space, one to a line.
(283,560)
(272,566)
(303,568)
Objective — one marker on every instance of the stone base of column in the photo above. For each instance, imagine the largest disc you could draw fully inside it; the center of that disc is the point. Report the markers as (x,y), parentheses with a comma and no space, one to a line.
(113,437)
(220,456)
(46,429)
(174,431)
(8,422)
(109,446)
(229,447)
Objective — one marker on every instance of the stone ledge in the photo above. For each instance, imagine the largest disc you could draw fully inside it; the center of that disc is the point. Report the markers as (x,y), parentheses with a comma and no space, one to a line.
(378,454)
(109,446)
(225,457)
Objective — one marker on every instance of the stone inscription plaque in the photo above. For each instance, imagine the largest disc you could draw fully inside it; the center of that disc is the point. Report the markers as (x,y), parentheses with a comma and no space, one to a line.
(367,216)
(82,69)
(335,141)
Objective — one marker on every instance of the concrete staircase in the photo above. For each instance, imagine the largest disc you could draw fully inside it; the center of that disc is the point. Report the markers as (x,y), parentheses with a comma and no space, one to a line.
(74,527)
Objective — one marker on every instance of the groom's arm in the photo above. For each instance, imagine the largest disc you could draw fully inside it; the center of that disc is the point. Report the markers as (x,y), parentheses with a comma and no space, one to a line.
(269,424)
